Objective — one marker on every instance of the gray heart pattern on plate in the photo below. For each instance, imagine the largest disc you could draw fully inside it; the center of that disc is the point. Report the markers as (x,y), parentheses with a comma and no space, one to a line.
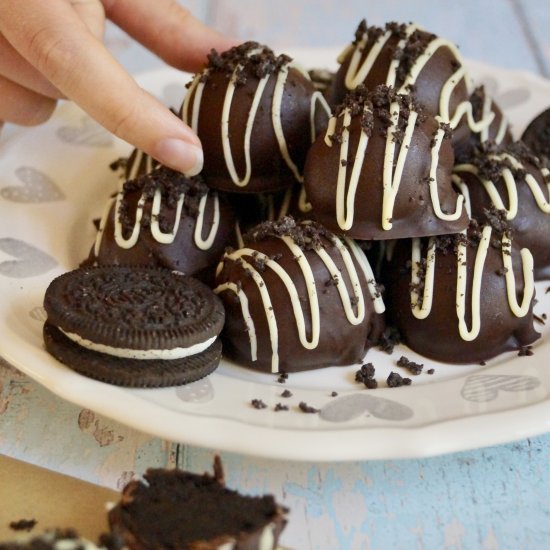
(512,97)
(200,391)
(89,133)
(349,407)
(37,187)
(28,262)
(481,388)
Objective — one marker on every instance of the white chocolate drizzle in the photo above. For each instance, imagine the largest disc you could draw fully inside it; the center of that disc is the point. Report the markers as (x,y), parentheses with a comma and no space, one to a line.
(438,140)
(194,96)
(354,310)
(205,244)
(421,312)
(357,72)
(461,281)
(472,332)
(133,168)
(131,241)
(511,204)
(156,232)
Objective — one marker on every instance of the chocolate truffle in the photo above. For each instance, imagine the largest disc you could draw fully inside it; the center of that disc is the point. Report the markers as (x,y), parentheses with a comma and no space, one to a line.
(461,298)
(174,509)
(514,181)
(383,170)
(164,219)
(256,115)
(410,60)
(297,298)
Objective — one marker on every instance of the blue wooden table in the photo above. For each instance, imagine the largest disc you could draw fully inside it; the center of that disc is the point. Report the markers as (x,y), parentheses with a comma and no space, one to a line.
(493,498)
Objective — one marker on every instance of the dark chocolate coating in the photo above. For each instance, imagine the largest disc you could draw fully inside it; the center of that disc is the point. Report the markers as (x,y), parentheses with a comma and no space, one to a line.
(413,213)
(252,209)
(340,342)
(531,226)
(537,135)
(176,509)
(269,170)
(437,336)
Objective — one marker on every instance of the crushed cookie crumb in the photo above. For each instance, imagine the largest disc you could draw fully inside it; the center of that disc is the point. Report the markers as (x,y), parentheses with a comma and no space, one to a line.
(258,404)
(411,366)
(23,524)
(282,378)
(525,351)
(389,339)
(540,319)
(366,372)
(395,380)
(305,408)
(371,383)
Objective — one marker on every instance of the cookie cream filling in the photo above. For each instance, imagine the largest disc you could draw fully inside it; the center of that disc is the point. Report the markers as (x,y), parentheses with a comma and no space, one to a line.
(266,542)
(174,353)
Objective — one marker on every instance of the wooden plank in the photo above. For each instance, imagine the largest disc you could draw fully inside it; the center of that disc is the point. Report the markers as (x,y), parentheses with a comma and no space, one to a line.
(38,427)
(52,500)
(495,498)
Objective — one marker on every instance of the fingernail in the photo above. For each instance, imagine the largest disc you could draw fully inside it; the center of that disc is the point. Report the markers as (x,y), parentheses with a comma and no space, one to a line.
(180,155)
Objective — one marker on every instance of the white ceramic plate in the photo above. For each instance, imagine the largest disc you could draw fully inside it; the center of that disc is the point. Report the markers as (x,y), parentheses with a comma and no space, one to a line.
(55,179)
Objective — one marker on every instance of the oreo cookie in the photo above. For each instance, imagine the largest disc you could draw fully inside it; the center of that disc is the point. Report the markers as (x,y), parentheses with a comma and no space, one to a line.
(134,326)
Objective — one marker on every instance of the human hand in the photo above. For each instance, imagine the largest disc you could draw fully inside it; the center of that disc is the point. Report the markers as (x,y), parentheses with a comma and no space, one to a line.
(50,49)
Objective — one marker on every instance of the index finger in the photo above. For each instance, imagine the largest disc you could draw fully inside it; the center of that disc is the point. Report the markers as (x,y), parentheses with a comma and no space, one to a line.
(168,29)
(53,38)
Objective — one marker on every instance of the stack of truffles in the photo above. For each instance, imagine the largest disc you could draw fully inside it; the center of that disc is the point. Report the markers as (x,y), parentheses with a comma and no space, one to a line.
(389,193)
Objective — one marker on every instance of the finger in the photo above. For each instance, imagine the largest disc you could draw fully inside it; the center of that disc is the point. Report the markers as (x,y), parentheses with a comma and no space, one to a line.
(92,13)
(168,29)
(59,45)
(14,67)
(23,106)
